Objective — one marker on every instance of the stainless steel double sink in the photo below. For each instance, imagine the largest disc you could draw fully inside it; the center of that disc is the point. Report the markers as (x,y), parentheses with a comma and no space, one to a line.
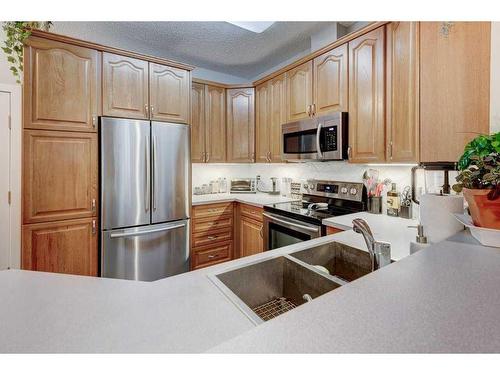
(267,288)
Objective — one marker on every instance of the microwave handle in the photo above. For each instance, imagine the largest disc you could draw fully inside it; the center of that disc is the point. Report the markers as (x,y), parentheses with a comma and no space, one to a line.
(318,142)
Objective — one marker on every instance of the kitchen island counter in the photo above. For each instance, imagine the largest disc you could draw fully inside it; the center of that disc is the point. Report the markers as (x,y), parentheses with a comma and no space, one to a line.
(442,299)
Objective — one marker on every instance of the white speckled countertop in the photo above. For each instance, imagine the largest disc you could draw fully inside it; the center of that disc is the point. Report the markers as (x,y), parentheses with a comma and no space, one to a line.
(385,228)
(257,199)
(442,299)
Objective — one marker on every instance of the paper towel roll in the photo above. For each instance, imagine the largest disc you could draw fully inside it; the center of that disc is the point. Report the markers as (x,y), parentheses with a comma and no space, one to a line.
(436,215)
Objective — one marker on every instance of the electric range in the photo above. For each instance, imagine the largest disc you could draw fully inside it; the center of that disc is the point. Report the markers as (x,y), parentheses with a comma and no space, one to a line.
(292,222)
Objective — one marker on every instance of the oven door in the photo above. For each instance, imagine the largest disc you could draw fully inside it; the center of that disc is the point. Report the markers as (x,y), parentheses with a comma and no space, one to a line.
(282,231)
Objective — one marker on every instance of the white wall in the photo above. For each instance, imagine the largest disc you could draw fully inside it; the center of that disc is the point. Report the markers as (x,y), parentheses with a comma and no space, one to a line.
(5,74)
(212,75)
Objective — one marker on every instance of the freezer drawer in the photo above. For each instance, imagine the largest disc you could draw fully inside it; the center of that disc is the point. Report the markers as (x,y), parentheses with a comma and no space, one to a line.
(146,253)
(171,164)
(125,173)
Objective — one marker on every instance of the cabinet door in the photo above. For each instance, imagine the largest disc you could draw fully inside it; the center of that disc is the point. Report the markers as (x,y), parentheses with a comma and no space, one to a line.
(330,82)
(60,86)
(277,114)
(198,123)
(366,98)
(251,240)
(68,246)
(215,128)
(240,125)
(124,87)
(169,93)
(299,91)
(262,123)
(60,175)
(454,87)
(402,92)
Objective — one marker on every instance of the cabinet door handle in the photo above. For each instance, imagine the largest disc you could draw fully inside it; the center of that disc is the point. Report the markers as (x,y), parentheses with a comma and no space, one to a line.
(146,109)
(269,156)
(211,256)
(308,110)
(94,229)
(152,110)
(93,205)
(211,238)
(313,110)
(390,150)
(261,232)
(208,157)
(94,121)
(349,152)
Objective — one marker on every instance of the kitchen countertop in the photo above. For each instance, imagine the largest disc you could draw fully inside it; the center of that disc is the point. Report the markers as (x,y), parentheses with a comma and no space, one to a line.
(257,199)
(444,298)
(385,228)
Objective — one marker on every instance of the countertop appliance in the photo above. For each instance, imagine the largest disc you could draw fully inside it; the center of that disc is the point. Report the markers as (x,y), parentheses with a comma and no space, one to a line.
(145,198)
(292,222)
(316,139)
(243,185)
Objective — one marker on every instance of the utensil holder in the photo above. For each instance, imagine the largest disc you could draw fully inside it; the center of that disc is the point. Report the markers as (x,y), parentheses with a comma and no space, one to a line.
(405,212)
(375,205)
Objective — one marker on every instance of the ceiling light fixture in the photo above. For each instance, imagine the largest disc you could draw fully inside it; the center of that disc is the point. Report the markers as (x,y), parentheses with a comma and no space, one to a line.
(254,26)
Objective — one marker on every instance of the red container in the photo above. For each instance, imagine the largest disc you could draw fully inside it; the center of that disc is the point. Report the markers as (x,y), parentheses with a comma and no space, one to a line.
(485,213)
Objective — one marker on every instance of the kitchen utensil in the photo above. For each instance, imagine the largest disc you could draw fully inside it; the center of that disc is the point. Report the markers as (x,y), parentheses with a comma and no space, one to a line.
(375,205)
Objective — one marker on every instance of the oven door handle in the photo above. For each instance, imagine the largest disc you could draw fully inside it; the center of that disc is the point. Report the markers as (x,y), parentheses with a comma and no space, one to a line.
(318,140)
(293,225)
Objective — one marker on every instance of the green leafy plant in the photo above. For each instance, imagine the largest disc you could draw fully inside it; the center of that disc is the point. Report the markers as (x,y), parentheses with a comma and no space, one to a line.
(482,173)
(480,146)
(16,33)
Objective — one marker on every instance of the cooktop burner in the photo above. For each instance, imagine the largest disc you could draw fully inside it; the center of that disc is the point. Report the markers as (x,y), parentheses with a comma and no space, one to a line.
(340,198)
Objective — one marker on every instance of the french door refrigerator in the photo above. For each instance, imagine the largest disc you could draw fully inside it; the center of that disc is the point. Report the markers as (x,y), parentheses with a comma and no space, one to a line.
(145,198)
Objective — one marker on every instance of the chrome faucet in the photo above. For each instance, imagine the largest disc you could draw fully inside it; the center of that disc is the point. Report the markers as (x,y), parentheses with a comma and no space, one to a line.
(380,251)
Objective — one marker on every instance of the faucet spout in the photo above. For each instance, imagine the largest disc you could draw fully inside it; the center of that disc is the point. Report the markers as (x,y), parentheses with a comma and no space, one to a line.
(380,251)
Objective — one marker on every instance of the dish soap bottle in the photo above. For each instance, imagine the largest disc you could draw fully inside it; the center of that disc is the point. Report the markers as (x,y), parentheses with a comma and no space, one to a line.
(393,203)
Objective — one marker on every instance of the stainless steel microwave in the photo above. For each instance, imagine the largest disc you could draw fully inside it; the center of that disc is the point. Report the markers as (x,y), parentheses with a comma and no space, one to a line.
(320,139)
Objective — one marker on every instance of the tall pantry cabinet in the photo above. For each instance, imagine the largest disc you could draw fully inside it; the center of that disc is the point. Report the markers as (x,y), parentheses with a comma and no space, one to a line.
(60,166)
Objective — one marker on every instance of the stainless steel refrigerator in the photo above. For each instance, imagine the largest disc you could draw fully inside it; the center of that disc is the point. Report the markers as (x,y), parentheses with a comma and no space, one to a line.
(145,198)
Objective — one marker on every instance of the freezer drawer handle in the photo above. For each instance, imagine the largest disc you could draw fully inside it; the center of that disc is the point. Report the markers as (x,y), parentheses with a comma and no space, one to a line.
(135,234)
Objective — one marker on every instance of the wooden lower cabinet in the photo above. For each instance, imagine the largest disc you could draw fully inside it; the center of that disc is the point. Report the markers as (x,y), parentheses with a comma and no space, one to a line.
(332,230)
(212,234)
(248,230)
(251,240)
(68,246)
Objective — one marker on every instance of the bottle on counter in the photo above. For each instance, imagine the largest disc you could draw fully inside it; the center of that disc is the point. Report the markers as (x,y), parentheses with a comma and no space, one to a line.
(393,202)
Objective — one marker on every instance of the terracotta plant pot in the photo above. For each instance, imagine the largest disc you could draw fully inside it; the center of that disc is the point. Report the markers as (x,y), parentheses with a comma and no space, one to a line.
(485,213)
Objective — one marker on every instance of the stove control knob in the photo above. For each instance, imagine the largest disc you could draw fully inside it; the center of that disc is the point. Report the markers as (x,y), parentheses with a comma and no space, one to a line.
(306,186)
(343,190)
(311,186)
(353,191)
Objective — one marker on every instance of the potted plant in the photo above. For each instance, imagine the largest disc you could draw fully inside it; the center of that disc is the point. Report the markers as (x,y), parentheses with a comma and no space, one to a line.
(479,180)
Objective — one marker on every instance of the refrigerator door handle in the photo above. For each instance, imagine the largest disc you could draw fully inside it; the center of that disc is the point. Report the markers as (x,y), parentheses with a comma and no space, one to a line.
(154,172)
(144,232)
(148,174)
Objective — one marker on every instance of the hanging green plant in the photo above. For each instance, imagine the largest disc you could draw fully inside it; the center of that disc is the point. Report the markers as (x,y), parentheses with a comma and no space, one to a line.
(16,33)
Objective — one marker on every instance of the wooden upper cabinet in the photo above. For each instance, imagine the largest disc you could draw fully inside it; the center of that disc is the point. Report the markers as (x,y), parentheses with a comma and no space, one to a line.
(262,123)
(277,116)
(169,93)
(402,92)
(330,81)
(60,175)
(366,98)
(454,87)
(68,246)
(125,87)
(299,91)
(197,123)
(215,105)
(60,86)
(240,125)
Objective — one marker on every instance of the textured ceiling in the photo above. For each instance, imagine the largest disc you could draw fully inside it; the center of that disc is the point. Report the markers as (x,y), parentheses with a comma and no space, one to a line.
(217,46)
